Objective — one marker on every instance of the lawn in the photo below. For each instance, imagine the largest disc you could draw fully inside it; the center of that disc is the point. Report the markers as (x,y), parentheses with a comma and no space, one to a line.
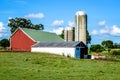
(43,66)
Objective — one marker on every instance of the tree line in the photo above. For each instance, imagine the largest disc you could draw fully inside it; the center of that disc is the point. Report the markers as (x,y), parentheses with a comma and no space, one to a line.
(4,43)
(14,23)
(105,45)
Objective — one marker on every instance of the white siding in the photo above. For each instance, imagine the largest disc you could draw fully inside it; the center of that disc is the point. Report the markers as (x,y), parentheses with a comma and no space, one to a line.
(55,50)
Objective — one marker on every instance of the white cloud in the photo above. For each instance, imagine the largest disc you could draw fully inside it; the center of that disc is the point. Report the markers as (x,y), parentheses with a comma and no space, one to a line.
(57,23)
(9,17)
(2,28)
(105,30)
(113,31)
(1,35)
(94,32)
(36,16)
(70,23)
(58,30)
(102,23)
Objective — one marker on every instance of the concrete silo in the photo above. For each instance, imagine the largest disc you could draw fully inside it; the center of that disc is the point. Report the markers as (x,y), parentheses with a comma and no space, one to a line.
(69,34)
(80,26)
(65,35)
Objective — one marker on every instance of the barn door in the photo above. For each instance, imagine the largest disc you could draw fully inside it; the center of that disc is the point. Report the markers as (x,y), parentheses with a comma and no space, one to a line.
(77,52)
(82,52)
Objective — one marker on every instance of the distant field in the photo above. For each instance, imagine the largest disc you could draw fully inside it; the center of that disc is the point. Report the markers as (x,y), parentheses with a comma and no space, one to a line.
(43,66)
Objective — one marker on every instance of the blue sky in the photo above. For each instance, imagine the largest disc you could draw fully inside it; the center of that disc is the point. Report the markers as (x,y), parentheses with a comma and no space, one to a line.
(55,15)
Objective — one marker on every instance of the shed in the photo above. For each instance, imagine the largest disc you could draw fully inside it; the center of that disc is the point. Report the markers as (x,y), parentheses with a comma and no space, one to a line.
(73,49)
(22,39)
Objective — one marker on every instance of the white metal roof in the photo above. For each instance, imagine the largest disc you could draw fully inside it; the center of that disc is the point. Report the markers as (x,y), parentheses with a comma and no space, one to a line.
(59,44)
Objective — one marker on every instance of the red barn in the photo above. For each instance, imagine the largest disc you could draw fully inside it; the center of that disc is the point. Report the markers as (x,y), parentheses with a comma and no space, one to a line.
(22,39)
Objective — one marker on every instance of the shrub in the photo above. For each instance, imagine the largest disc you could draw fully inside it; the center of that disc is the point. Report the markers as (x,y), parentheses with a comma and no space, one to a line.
(96,48)
(115,52)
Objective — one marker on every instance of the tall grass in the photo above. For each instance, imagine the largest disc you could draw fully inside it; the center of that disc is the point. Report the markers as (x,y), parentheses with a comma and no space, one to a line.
(43,66)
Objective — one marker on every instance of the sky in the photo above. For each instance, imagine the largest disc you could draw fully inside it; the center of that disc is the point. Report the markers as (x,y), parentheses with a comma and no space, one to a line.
(103,16)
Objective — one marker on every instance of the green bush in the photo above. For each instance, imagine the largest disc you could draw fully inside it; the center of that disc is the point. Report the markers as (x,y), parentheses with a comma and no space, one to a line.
(115,52)
(96,48)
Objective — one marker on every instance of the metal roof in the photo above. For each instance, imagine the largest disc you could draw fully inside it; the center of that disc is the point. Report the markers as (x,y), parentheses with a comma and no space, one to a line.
(59,44)
(42,36)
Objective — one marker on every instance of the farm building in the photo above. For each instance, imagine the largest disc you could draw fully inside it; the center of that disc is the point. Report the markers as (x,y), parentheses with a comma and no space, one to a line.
(72,49)
(22,39)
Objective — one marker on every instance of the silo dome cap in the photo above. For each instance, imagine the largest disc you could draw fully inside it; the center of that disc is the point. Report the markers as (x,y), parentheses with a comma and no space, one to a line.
(80,13)
(69,28)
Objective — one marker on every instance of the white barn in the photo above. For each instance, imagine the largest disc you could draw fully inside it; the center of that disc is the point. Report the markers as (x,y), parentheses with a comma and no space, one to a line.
(72,49)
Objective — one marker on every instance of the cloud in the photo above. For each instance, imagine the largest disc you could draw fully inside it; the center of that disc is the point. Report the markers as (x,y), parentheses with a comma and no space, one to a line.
(102,23)
(2,28)
(9,17)
(3,35)
(57,23)
(94,32)
(58,30)
(70,23)
(36,16)
(112,31)
(115,30)
(105,30)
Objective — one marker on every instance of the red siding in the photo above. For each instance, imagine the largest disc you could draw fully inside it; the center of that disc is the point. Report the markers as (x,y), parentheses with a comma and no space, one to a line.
(21,42)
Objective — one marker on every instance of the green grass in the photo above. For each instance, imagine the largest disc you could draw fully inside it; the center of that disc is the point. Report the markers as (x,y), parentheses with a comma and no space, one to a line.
(43,66)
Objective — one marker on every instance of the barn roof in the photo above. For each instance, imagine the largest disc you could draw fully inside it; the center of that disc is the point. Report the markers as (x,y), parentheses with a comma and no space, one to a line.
(42,36)
(59,44)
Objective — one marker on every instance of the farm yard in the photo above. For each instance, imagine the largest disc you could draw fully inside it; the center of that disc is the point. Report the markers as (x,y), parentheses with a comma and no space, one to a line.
(44,66)
(44,42)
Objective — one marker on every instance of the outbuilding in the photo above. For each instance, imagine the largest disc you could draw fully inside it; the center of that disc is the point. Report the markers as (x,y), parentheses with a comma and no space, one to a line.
(22,39)
(72,49)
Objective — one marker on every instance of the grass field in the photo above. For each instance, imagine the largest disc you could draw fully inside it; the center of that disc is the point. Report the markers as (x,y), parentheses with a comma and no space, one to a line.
(42,66)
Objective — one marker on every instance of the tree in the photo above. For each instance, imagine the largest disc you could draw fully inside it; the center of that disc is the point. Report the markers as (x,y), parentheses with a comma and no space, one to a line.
(116,45)
(23,23)
(107,44)
(62,34)
(5,43)
(38,26)
(88,37)
(96,48)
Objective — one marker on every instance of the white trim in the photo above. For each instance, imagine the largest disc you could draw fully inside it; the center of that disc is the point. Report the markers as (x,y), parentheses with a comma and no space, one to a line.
(23,32)
(10,44)
(15,31)
(27,34)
